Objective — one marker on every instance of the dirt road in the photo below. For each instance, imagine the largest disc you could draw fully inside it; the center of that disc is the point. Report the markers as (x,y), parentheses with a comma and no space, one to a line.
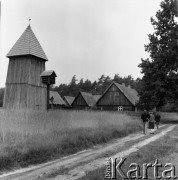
(76,166)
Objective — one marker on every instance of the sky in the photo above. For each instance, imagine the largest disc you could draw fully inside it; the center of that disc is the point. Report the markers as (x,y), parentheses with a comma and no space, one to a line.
(86,38)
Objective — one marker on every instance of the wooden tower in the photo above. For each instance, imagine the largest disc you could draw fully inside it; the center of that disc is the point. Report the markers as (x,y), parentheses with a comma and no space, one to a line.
(24,88)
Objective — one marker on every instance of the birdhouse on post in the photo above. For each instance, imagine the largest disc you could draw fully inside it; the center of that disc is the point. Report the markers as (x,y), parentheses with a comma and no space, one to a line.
(48,78)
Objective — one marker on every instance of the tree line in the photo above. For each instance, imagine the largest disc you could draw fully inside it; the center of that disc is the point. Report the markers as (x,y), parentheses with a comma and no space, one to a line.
(97,87)
(159,84)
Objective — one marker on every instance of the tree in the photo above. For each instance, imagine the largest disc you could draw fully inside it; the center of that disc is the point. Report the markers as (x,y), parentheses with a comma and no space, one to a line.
(106,83)
(94,88)
(129,81)
(73,81)
(118,79)
(87,86)
(1,96)
(160,74)
(97,87)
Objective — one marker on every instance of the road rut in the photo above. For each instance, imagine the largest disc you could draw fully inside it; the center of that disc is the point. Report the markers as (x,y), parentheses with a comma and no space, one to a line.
(75,166)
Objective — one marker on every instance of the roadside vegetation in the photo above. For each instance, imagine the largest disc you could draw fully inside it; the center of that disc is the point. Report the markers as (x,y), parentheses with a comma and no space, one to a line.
(168,118)
(32,137)
(164,150)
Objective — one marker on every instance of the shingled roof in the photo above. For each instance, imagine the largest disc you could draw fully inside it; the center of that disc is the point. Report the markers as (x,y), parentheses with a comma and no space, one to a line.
(88,98)
(27,44)
(48,73)
(96,97)
(57,99)
(69,99)
(130,94)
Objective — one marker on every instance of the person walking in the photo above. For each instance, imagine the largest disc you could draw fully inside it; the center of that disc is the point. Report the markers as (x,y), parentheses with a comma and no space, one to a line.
(145,118)
(152,123)
(157,119)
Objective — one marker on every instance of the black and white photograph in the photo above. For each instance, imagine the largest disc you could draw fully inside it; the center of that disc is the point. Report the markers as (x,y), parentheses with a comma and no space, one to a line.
(88,89)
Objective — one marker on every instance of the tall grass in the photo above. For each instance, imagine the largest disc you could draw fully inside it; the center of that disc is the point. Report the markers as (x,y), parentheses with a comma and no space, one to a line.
(169,118)
(30,137)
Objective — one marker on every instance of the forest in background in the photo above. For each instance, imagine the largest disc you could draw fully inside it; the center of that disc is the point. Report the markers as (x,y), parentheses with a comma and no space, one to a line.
(159,84)
(96,87)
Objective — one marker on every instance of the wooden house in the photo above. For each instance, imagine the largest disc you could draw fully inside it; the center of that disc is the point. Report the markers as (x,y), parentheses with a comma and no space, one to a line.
(96,97)
(24,89)
(118,97)
(68,100)
(55,100)
(83,100)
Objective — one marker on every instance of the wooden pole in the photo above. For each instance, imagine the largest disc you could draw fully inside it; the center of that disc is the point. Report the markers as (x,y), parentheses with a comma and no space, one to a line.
(47,100)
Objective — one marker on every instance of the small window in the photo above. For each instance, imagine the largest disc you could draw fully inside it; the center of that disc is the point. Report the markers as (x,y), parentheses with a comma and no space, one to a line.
(120,108)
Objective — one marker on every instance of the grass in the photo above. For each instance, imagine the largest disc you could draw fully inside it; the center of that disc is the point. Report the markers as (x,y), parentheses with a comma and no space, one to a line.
(169,118)
(32,137)
(164,149)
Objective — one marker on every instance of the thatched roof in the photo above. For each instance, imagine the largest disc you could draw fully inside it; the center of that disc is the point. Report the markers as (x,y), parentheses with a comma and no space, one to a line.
(96,97)
(129,93)
(69,99)
(57,99)
(27,44)
(89,99)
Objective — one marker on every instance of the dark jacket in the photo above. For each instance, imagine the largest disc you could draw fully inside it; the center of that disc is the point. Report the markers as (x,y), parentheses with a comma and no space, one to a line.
(145,116)
(157,117)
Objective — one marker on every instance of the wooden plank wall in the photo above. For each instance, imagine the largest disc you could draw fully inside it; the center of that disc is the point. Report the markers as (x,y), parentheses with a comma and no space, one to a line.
(114,97)
(24,88)
(25,69)
(115,108)
(24,96)
(79,101)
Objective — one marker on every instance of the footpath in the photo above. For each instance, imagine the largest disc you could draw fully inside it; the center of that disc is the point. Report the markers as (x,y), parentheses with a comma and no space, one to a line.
(77,165)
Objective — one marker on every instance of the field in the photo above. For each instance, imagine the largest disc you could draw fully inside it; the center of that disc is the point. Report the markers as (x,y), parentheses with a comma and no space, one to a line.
(32,137)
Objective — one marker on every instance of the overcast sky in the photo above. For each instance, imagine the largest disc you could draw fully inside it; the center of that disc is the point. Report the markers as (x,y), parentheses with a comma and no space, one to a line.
(86,38)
